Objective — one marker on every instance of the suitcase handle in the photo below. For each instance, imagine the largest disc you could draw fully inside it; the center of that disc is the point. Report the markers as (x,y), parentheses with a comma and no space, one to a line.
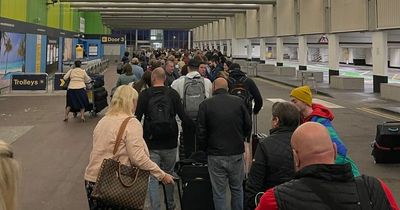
(386,148)
(394,129)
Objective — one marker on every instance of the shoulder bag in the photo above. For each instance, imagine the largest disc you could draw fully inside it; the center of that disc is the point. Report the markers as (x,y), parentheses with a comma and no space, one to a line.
(120,186)
(66,82)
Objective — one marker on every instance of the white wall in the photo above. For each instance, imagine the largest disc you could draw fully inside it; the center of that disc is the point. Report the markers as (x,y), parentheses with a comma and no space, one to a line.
(368,56)
(240,51)
(394,57)
(256,51)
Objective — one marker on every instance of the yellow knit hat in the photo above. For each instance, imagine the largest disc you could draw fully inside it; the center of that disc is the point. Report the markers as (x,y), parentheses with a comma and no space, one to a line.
(303,94)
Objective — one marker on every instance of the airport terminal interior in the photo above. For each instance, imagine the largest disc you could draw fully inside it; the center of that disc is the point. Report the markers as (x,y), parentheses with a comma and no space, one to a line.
(346,51)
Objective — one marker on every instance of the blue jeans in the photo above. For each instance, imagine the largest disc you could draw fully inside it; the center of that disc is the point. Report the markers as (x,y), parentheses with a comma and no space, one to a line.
(166,159)
(224,170)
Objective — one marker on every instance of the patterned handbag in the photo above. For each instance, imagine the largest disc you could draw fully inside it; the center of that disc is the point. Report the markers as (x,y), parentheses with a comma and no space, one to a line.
(120,186)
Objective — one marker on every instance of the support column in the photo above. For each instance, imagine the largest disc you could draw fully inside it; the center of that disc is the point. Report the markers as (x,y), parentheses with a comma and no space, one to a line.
(215,45)
(263,49)
(234,47)
(379,59)
(279,51)
(249,50)
(210,46)
(201,46)
(302,52)
(136,40)
(189,41)
(221,47)
(228,48)
(333,48)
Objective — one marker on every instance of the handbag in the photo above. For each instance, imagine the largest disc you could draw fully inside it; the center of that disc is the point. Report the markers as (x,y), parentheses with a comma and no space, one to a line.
(118,185)
(66,83)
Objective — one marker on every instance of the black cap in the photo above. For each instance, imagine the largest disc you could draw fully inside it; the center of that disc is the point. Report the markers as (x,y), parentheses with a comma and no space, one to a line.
(193,63)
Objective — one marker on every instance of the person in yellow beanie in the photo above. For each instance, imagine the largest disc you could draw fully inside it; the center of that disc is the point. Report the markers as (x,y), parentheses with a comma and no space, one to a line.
(313,112)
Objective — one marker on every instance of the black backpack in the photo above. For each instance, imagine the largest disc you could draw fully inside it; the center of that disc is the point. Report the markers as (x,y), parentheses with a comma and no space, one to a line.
(238,88)
(160,115)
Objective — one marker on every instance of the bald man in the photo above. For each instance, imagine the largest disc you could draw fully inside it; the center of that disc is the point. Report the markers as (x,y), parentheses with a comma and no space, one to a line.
(223,124)
(160,105)
(319,183)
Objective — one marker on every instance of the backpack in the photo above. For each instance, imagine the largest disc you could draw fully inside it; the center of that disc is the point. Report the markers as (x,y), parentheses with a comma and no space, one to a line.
(193,95)
(239,89)
(160,116)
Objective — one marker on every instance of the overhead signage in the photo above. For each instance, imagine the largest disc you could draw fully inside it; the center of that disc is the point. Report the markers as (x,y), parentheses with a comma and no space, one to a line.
(113,39)
(58,81)
(29,82)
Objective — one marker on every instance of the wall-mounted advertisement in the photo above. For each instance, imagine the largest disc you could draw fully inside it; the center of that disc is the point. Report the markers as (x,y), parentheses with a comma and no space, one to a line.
(93,49)
(67,56)
(52,51)
(12,53)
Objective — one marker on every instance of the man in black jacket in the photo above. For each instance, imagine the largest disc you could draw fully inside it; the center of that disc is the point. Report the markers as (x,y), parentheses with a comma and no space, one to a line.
(160,104)
(223,124)
(273,160)
(235,74)
(319,183)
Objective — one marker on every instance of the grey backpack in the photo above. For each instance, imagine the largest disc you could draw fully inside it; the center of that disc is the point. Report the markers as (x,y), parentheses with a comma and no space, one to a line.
(193,95)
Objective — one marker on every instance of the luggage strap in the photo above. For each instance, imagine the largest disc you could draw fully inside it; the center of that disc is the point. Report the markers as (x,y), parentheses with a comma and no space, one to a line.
(386,148)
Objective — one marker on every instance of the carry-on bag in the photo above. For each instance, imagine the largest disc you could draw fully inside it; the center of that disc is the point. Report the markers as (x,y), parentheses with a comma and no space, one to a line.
(256,137)
(120,186)
(196,186)
(178,185)
(386,147)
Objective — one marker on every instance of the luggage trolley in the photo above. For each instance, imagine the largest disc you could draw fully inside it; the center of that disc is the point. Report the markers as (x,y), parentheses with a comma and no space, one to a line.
(97,95)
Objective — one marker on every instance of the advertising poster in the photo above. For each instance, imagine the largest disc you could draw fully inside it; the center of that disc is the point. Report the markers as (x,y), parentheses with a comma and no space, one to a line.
(67,49)
(12,53)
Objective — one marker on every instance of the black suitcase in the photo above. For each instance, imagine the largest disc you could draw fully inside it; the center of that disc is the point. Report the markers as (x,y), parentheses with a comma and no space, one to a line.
(386,147)
(98,80)
(196,186)
(100,105)
(255,137)
(100,93)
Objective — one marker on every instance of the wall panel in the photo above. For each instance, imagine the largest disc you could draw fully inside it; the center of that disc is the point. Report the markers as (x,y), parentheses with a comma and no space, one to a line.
(267,20)
(210,31)
(215,30)
(14,9)
(286,19)
(222,29)
(312,16)
(388,13)
(252,24)
(230,27)
(240,25)
(349,15)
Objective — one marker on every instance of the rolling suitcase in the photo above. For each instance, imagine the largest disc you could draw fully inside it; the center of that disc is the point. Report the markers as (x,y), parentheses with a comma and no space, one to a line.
(386,147)
(256,137)
(196,186)
(178,185)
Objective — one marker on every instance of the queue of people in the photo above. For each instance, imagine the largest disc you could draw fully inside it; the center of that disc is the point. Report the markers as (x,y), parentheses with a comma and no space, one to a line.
(303,163)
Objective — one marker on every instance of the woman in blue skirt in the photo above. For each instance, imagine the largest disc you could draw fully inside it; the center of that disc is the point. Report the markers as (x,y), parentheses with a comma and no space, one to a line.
(77,99)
